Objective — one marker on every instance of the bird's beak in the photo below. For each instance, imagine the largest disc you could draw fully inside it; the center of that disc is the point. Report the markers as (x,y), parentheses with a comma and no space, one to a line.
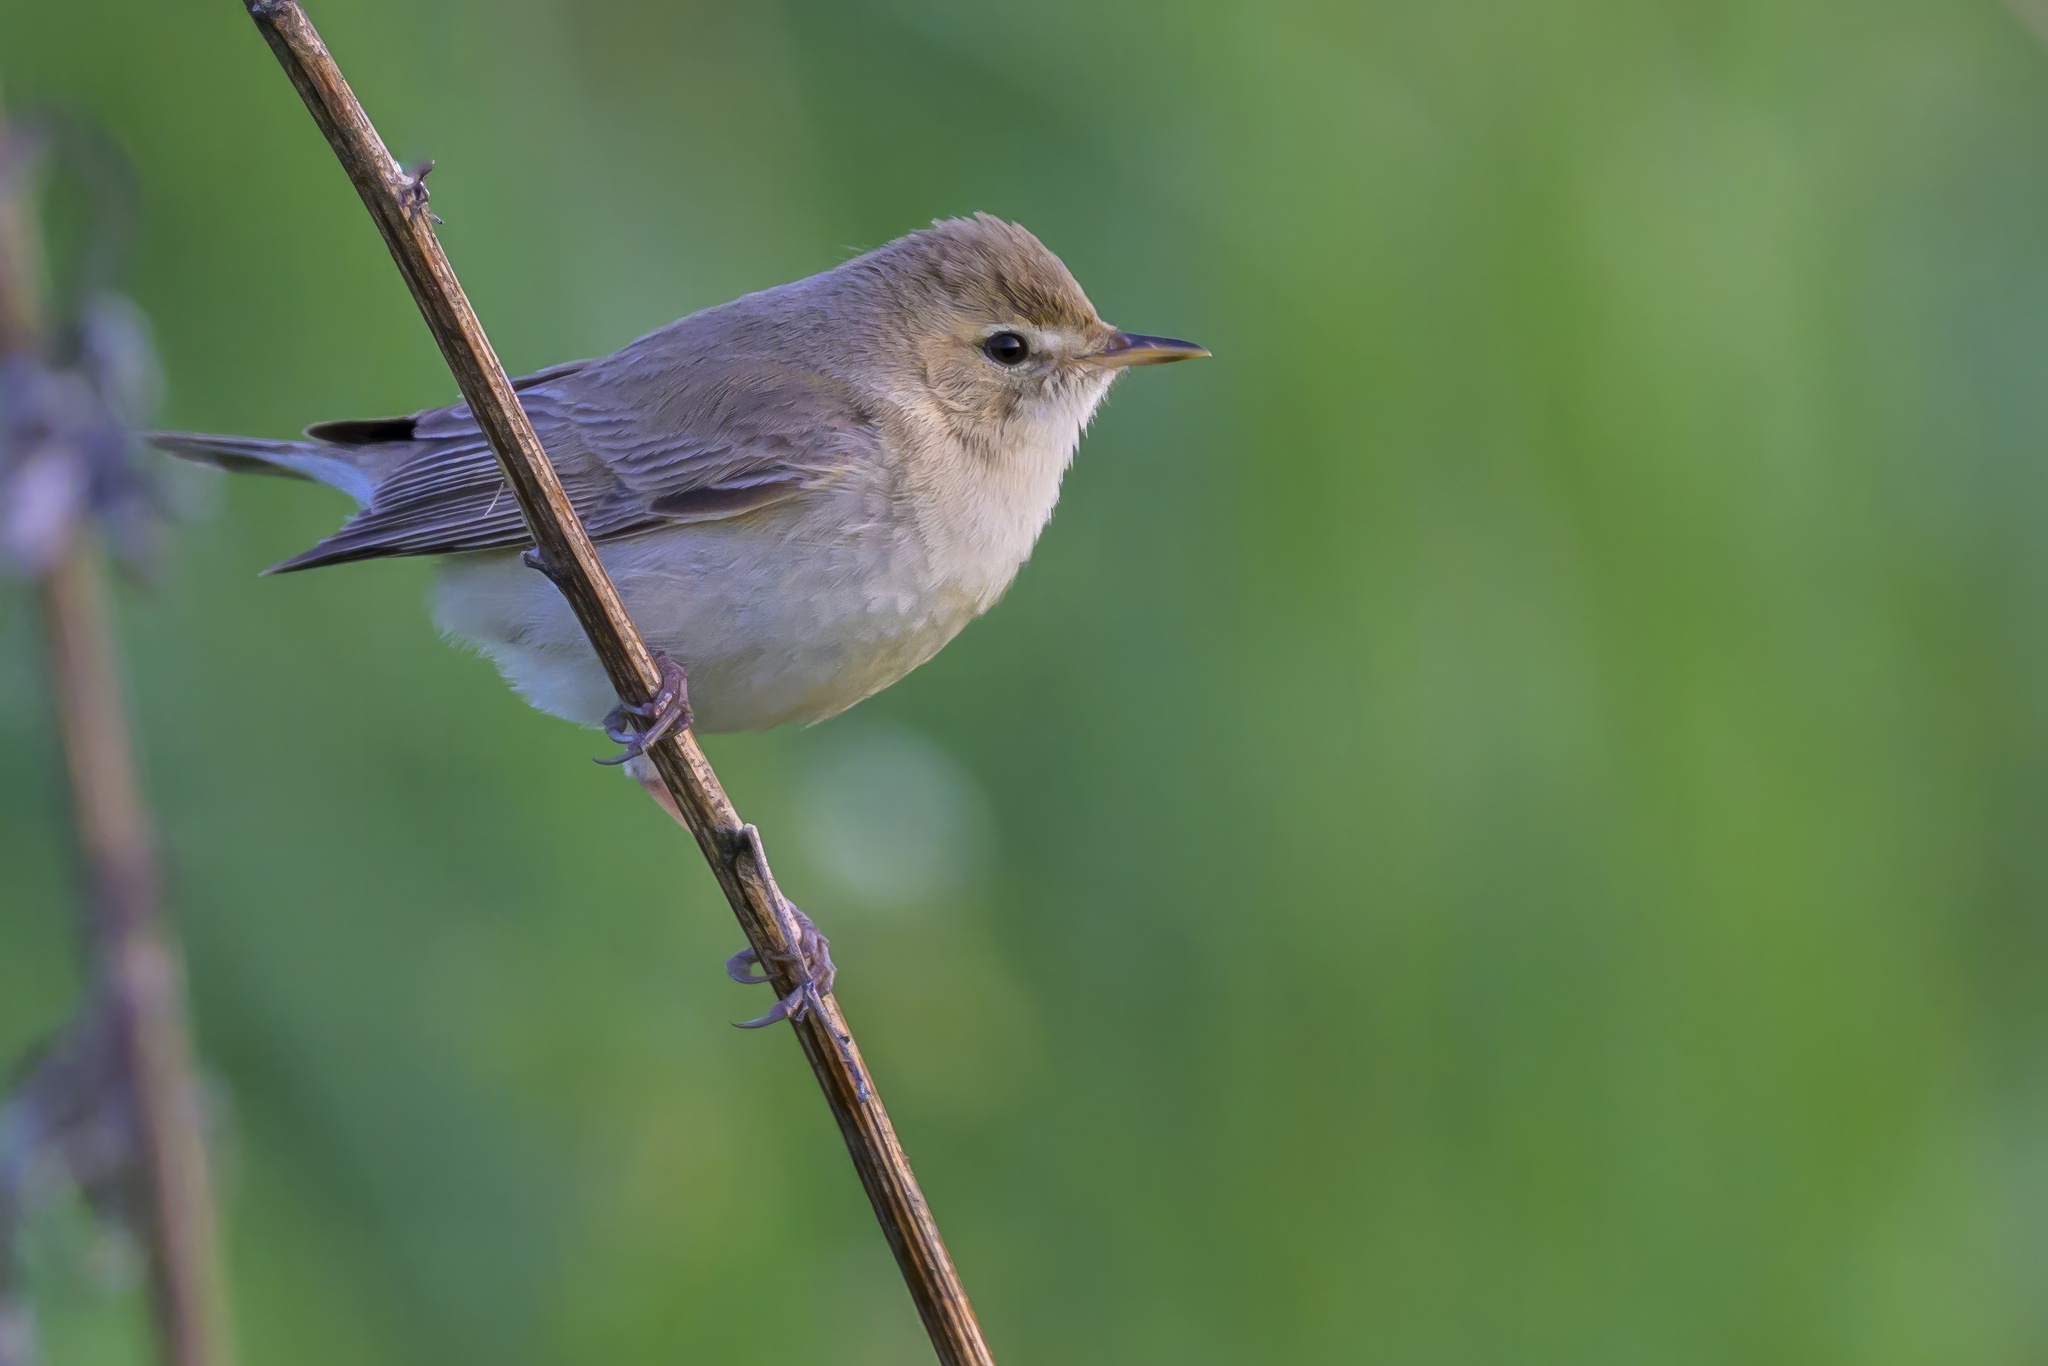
(1130,348)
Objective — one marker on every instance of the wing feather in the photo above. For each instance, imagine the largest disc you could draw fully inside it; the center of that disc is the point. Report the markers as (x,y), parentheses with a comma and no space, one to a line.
(675,428)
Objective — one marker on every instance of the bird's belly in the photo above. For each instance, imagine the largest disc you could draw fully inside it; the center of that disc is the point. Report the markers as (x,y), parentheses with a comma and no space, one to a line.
(770,631)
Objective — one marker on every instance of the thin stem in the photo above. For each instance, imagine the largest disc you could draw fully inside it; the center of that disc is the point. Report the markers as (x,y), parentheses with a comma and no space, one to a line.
(139,982)
(141,978)
(398,204)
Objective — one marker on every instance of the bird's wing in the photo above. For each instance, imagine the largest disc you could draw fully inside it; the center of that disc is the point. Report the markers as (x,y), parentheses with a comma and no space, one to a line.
(655,434)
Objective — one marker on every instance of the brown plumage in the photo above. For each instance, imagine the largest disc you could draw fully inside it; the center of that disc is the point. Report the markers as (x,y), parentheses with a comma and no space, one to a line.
(802,493)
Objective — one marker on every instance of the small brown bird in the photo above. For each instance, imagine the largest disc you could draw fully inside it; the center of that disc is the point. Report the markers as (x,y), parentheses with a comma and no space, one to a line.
(802,494)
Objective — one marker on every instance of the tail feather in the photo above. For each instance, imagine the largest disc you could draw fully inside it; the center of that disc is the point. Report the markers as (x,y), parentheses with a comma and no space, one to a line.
(319,461)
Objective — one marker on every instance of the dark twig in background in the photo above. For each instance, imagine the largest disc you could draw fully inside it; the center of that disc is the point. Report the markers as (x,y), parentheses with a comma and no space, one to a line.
(398,203)
(113,1104)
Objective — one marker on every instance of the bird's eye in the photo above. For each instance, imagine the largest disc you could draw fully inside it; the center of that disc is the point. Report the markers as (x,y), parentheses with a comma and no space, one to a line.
(1006,348)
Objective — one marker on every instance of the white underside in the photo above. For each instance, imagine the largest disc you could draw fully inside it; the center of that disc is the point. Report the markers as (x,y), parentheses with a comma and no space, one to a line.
(767,633)
(790,614)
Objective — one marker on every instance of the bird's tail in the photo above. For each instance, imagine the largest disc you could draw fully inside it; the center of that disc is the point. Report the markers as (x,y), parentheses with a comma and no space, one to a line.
(319,461)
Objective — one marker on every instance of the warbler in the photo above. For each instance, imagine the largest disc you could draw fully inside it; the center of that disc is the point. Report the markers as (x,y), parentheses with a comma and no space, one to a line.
(802,494)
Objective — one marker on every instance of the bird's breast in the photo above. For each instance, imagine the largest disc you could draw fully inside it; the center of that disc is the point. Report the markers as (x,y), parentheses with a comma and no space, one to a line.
(789,614)
(979,511)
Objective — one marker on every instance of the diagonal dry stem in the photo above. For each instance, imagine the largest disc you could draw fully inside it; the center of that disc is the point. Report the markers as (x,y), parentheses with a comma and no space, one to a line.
(398,204)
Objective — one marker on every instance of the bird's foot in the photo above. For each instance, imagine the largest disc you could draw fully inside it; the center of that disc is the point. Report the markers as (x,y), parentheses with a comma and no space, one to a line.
(810,958)
(668,710)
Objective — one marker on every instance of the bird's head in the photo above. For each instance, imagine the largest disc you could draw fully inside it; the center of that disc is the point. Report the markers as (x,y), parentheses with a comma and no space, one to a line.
(999,335)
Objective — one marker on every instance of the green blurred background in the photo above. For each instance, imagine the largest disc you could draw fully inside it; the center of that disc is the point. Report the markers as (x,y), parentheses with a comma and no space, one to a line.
(1503,823)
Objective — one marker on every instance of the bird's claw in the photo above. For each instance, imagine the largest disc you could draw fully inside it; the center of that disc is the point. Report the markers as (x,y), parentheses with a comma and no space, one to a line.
(810,956)
(668,710)
(794,1006)
(736,967)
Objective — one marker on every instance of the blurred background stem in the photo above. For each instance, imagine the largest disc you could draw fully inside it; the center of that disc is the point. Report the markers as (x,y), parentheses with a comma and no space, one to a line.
(136,975)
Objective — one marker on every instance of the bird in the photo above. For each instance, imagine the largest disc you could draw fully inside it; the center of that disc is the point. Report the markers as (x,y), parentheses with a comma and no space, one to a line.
(802,494)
